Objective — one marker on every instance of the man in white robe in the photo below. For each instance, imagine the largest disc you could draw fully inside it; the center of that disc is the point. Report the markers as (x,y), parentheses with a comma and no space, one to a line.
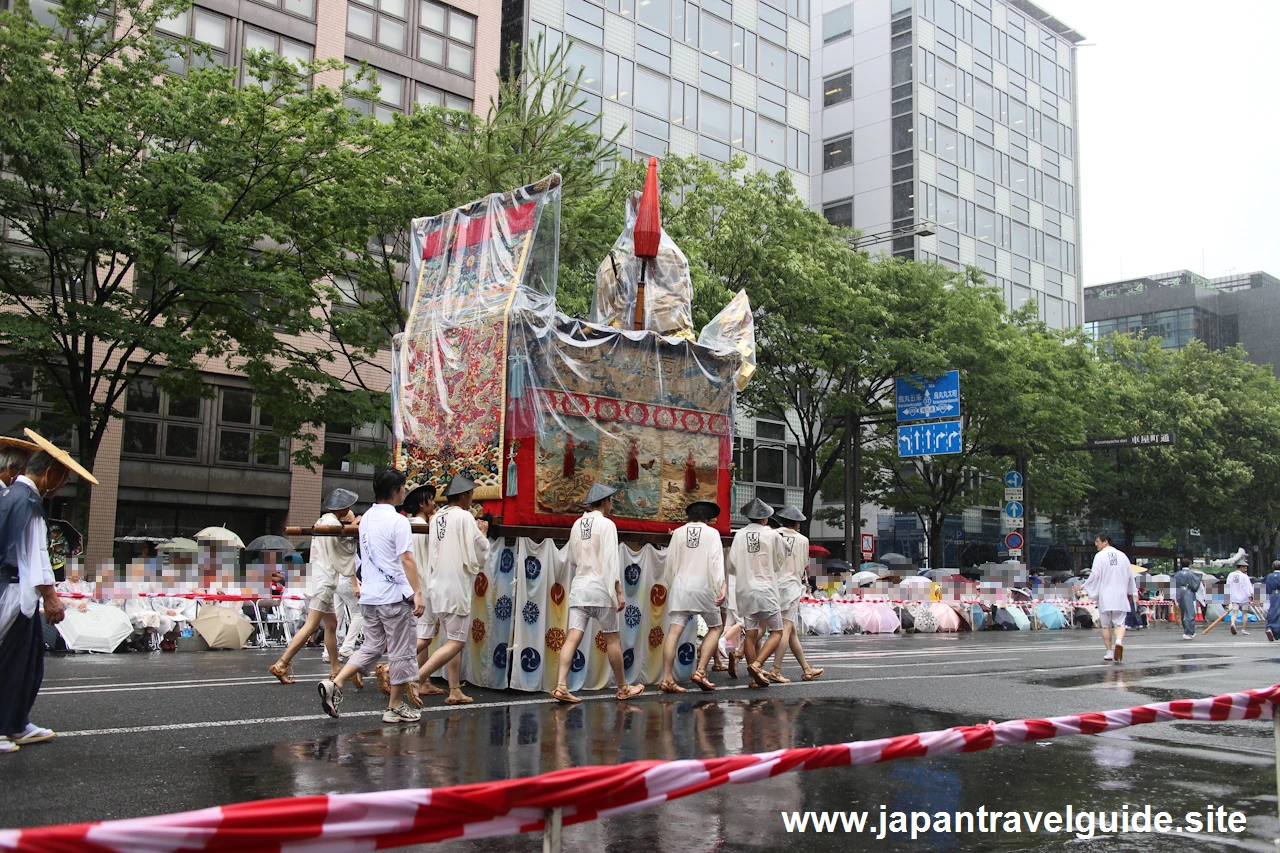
(756,559)
(1240,595)
(695,575)
(1112,587)
(331,557)
(459,550)
(791,584)
(596,591)
(420,506)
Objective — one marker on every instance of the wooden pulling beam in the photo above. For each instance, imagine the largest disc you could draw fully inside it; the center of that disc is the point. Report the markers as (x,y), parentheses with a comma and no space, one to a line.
(496,529)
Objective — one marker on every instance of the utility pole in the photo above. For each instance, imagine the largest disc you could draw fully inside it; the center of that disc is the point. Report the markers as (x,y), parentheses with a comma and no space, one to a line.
(849,487)
(1026,513)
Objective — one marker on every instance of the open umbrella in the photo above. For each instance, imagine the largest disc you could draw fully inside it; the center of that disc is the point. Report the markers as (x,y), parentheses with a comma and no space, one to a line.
(179,545)
(223,628)
(916,580)
(837,566)
(864,578)
(818,551)
(221,536)
(270,543)
(99,629)
(140,535)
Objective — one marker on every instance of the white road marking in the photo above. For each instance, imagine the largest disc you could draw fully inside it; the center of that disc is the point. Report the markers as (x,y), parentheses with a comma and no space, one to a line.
(230,680)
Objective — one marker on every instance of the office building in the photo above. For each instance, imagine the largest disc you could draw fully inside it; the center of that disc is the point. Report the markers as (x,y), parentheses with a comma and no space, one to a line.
(957,117)
(1181,306)
(707,78)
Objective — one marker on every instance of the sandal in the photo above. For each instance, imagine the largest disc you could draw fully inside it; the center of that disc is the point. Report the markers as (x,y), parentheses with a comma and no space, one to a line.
(812,673)
(719,667)
(282,671)
(671,687)
(733,665)
(756,671)
(7,746)
(700,678)
(411,695)
(776,676)
(460,699)
(562,694)
(31,734)
(358,680)
(426,688)
(629,691)
(384,678)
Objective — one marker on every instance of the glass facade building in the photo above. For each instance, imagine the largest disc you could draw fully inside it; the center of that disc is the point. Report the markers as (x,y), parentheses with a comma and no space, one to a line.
(957,117)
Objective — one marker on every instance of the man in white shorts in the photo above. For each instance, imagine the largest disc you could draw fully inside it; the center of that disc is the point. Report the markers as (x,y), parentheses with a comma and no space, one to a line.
(1240,594)
(695,575)
(756,559)
(1111,585)
(390,600)
(791,583)
(332,557)
(459,549)
(596,591)
(420,506)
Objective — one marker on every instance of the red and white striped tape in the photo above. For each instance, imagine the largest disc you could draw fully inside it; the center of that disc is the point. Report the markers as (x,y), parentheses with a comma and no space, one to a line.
(383,819)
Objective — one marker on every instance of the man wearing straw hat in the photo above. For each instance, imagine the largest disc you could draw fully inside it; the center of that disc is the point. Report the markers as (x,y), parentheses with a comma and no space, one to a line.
(596,592)
(26,579)
(459,549)
(695,572)
(331,557)
(790,585)
(756,559)
(420,505)
(14,453)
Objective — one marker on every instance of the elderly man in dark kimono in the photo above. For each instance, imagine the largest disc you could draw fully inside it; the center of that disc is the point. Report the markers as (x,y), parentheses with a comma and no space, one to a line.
(1186,584)
(1272,588)
(26,581)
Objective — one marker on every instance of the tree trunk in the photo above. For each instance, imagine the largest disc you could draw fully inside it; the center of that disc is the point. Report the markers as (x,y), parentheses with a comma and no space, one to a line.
(936,546)
(88,452)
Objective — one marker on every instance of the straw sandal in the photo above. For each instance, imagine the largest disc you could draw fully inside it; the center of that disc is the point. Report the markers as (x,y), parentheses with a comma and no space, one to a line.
(813,673)
(629,691)
(719,667)
(358,680)
(562,694)
(383,674)
(7,746)
(411,695)
(775,675)
(756,671)
(733,665)
(282,671)
(426,688)
(700,678)
(460,699)
(670,687)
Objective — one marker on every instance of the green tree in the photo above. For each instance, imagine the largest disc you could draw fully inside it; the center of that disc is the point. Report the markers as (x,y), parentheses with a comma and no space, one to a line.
(159,222)
(1024,389)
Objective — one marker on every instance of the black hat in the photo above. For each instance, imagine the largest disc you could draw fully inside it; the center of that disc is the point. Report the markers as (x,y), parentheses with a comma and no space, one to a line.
(757,510)
(459,485)
(418,495)
(705,508)
(340,499)
(790,513)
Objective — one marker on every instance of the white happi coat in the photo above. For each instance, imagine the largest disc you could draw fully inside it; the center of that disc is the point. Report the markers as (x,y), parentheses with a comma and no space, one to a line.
(457,554)
(331,557)
(1111,582)
(794,568)
(756,559)
(695,568)
(1239,587)
(593,553)
(422,556)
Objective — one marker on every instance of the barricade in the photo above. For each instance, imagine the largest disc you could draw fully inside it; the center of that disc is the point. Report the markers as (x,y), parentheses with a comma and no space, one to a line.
(382,819)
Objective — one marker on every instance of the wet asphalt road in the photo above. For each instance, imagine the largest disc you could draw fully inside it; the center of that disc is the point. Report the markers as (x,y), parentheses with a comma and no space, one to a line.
(146,734)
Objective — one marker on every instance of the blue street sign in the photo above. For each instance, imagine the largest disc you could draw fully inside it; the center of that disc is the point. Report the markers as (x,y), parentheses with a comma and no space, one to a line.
(1013,509)
(920,399)
(959,535)
(1013,480)
(1013,540)
(930,439)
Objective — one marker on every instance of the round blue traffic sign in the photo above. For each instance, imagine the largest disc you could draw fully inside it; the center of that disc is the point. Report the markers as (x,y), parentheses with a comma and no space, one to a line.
(1013,480)
(1013,509)
(1013,541)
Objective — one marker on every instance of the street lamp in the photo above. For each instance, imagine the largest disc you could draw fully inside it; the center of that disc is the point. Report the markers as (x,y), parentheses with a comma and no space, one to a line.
(853,425)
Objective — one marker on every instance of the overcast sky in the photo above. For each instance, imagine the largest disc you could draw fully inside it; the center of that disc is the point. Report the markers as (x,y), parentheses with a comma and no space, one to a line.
(1179,135)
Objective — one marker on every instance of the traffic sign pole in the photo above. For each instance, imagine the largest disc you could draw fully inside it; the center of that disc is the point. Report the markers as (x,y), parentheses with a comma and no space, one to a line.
(1026,502)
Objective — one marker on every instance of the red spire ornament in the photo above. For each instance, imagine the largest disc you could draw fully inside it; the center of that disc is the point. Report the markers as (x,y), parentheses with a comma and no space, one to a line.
(647,234)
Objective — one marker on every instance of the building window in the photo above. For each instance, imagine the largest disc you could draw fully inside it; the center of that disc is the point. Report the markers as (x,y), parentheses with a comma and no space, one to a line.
(839,214)
(717,38)
(837,89)
(244,432)
(837,153)
(591,63)
(390,98)
(656,14)
(429,97)
(715,117)
(773,63)
(383,22)
(772,141)
(160,426)
(301,8)
(210,29)
(256,39)
(619,76)
(341,441)
(837,24)
(744,49)
(653,93)
(22,404)
(447,37)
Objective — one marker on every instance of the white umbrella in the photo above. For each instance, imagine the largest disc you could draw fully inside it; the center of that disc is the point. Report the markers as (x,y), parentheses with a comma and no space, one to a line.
(220,535)
(864,578)
(916,580)
(179,544)
(99,629)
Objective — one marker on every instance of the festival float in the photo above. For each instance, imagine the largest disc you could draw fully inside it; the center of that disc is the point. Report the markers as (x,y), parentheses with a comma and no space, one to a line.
(490,380)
